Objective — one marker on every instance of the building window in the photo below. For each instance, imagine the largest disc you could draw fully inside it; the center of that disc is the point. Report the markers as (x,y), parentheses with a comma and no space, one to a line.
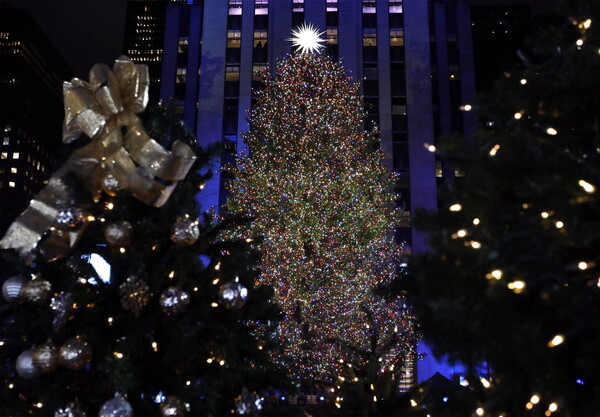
(232,73)
(397,37)
(332,5)
(12,184)
(260,38)
(395,6)
(4,155)
(332,36)
(235,7)
(15,155)
(7,128)
(181,75)
(369,38)
(261,7)
(368,6)
(13,170)
(257,70)
(234,38)
(183,45)
(298,6)
(6,140)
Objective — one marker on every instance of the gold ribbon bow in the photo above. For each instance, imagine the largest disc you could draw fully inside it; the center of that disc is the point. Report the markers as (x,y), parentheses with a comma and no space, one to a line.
(102,108)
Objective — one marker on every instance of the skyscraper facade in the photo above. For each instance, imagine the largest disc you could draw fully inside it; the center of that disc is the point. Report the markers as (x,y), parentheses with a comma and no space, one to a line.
(413,59)
(31,110)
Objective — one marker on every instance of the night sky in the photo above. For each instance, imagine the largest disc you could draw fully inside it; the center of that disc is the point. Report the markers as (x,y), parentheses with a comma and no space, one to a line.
(84,31)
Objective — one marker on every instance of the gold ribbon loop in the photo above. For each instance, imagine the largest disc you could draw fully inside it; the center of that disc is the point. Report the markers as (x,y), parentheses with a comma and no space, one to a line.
(100,108)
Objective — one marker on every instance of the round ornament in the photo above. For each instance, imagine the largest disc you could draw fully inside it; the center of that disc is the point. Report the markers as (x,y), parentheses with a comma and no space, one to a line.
(71,410)
(37,291)
(12,289)
(69,217)
(233,295)
(185,231)
(174,301)
(75,354)
(135,294)
(25,367)
(110,184)
(172,407)
(119,233)
(116,407)
(45,358)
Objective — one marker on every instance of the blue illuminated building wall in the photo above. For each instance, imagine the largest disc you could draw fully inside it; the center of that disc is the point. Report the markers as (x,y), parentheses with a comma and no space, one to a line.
(413,59)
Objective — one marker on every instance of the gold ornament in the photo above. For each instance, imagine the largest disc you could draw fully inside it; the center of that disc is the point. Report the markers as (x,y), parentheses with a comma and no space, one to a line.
(185,231)
(12,289)
(102,108)
(174,301)
(45,358)
(75,354)
(37,291)
(135,294)
(119,233)
(172,407)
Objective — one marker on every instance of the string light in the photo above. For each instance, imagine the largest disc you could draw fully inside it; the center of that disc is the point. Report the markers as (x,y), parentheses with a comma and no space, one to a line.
(494,150)
(118,355)
(461,233)
(579,42)
(475,244)
(544,214)
(582,265)
(523,81)
(587,187)
(155,346)
(552,407)
(518,115)
(476,221)
(430,148)
(587,23)
(535,399)
(559,224)
(516,286)
(496,274)
(172,274)
(552,131)
(556,340)
(479,411)
(455,207)
(467,107)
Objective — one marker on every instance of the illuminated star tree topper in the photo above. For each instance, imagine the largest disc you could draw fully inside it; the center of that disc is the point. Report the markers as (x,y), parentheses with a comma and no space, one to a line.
(307,38)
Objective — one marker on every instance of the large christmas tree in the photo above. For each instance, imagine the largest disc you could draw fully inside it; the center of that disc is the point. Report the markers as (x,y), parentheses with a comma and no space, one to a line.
(322,212)
(512,278)
(117,286)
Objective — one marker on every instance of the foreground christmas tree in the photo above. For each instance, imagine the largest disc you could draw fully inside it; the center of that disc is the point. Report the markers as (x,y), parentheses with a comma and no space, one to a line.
(122,301)
(513,275)
(322,212)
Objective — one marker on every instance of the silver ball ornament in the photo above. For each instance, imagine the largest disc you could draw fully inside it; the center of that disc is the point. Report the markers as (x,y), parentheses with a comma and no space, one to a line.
(233,295)
(185,231)
(37,291)
(71,410)
(75,354)
(110,184)
(24,365)
(119,233)
(174,301)
(172,407)
(12,289)
(116,407)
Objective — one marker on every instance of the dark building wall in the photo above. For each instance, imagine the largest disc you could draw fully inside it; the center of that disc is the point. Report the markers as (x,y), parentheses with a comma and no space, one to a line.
(31,111)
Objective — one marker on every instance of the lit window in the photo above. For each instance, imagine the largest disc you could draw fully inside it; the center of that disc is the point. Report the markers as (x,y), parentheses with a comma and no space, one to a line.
(395,6)
(12,184)
(181,75)
(260,38)
(6,140)
(39,165)
(232,73)
(4,155)
(15,155)
(183,45)
(370,38)
(261,6)
(332,5)
(235,7)
(368,6)
(298,6)
(256,70)
(233,38)
(13,170)
(332,36)
(397,37)
(7,128)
